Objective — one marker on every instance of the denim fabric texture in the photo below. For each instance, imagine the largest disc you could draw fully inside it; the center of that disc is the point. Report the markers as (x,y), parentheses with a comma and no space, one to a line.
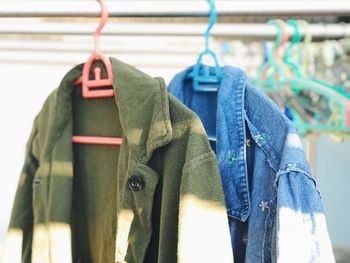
(273,204)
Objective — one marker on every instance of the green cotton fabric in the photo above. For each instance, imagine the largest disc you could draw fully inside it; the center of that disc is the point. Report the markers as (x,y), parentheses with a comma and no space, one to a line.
(73,202)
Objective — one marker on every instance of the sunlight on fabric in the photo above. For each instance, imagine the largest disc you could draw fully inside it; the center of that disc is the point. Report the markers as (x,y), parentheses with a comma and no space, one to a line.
(125,219)
(134,136)
(197,241)
(293,141)
(298,232)
(51,243)
(195,124)
(60,242)
(54,239)
(62,168)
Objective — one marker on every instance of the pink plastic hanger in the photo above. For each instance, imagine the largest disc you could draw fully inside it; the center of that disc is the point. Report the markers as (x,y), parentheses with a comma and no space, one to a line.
(89,84)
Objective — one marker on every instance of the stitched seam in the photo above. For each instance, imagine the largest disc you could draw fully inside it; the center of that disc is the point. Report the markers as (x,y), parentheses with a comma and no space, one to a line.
(198,160)
(237,90)
(271,216)
(293,169)
(244,214)
(270,155)
(297,170)
(268,218)
(238,214)
(264,238)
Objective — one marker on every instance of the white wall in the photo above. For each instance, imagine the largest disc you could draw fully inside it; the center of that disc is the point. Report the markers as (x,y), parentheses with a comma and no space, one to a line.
(332,164)
(23,90)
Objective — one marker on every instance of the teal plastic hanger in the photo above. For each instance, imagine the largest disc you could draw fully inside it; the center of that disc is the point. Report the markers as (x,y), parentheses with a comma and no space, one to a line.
(284,77)
(271,73)
(204,79)
(338,102)
(294,41)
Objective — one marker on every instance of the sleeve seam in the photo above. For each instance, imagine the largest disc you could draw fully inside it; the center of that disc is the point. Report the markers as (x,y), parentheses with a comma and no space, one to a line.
(296,170)
(198,160)
(293,168)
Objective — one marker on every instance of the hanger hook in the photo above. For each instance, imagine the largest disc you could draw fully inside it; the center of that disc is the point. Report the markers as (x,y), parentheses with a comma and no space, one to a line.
(306,30)
(212,21)
(103,20)
(295,40)
(297,35)
(282,36)
(295,69)
(305,48)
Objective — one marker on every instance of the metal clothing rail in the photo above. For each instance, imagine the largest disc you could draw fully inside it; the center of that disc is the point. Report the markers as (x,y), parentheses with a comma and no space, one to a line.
(139,60)
(175,8)
(254,31)
(121,47)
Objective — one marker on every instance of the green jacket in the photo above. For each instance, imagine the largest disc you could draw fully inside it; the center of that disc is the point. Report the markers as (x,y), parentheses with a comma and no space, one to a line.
(156,198)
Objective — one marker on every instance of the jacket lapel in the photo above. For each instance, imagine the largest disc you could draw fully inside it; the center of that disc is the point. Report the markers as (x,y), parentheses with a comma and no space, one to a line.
(143,109)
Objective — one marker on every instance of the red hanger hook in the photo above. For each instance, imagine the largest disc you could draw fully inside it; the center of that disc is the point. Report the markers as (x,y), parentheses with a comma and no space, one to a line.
(88,85)
(103,20)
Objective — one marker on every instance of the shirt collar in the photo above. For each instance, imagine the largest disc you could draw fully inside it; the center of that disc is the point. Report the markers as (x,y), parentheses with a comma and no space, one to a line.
(142,102)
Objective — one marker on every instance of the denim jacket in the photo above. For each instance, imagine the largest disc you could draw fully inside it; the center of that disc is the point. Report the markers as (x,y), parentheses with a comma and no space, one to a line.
(272,201)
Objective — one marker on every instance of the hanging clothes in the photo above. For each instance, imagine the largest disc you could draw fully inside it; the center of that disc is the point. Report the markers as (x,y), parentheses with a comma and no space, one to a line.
(272,201)
(157,198)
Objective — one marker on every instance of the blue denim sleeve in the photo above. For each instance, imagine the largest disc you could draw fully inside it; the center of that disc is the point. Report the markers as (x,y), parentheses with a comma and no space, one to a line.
(301,228)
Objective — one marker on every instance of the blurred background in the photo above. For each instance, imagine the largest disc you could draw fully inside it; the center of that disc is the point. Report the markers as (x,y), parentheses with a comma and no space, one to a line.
(40,41)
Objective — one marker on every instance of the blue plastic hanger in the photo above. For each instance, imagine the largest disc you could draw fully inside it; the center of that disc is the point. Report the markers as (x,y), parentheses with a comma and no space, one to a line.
(204,79)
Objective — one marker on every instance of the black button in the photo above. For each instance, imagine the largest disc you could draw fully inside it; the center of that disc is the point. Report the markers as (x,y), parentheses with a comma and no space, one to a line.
(135,183)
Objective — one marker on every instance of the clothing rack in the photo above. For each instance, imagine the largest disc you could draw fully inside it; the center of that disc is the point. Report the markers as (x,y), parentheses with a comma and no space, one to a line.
(229,30)
(174,8)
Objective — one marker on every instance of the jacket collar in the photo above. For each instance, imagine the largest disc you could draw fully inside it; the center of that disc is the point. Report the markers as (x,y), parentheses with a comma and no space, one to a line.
(142,102)
(230,132)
